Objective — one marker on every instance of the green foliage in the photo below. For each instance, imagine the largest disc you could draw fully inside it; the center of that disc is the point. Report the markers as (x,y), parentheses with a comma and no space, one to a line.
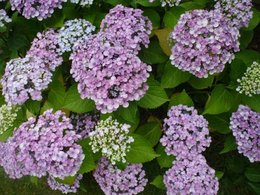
(158,182)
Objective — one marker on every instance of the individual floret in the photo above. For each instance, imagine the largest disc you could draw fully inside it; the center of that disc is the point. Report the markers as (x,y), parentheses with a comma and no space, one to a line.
(112,139)
(245,125)
(114,181)
(249,84)
(185,132)
(203,43)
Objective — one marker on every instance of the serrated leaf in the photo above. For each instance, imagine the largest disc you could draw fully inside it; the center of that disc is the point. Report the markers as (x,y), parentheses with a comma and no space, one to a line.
(57,95)
(172,76)
(141,150)
(74,103)
(221,100)
(201,83)
(151,131)
(158,182)
(164,160)
(180,98)
(229,145)
(154,97)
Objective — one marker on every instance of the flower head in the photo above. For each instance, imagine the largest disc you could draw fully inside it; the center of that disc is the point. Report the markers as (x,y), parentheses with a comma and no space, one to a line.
(245,125)
(204,43)
(25,78)
(72,31)
(4,18)
(82,3)
(112,139)
(191,176)
(238,12)
(114,181)
(8,115)
(185,132)
(249,84)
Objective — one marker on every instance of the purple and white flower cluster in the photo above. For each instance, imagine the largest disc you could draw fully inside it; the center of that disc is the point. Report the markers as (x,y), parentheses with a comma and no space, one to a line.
(186,136)
(27,77)
(106,66)
(238,12)
(46,145)
(64,188)
(114,181)
(203,42)
(245,125)
(4,18)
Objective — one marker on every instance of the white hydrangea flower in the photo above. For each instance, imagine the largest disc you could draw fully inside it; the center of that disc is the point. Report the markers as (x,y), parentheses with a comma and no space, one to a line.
(8,115)
(73,31)
(112,139)
(82,2)
(249,84)
(4,18)
(171,3)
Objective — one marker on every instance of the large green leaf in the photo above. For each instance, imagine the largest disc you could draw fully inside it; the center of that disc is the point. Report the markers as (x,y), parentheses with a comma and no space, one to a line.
(201,83)
(57,94)
(163,36)
(221,100)
(253,102)
(158,182)
(172,76)
(229,144)
(164,160)
(153,16)
(253,173)
(141,150)
(74,103)
(172,16)
(155,96)
(151,131)
(181,98)
(219,123)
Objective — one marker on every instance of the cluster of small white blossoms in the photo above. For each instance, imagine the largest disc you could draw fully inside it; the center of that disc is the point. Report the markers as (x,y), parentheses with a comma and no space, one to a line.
(8,115)
(171,3)
(82,3)
(4,18)
(112,139)
(249,84)
(73,31)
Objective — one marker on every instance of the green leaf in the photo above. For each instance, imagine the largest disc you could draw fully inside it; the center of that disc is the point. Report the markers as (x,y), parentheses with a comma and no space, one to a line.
(155,96)
(151,131)
(33,106)
(191,6)
(219,123)
(146,3)
(141,150)
(164,160)
(248,56)
(88,162)
(201,83)
(238,68)
(255,20)
(172,16)
(253,173)
(229,145)
(163,36)
(219,174)
(74,103)
(255,187)
(221,100)
(172,76)
(57,94)
(245,38)
(67,180)
(253,102)
(153,54)
(153,16)
(181,98)
(158,182)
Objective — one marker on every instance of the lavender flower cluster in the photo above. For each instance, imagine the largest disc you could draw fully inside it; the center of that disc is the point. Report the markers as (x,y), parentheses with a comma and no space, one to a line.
(191,176)
(73,31)
(4,18)
(106,66)
(83,124)
(238,12)
(39,9)
(186,136)
(185,132)
(27,77)
(42,146)
(204,42)
(245,125)
(114,181)
(64,188)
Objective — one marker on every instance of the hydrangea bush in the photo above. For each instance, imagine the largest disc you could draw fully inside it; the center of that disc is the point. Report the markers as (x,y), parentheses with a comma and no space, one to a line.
(130,97)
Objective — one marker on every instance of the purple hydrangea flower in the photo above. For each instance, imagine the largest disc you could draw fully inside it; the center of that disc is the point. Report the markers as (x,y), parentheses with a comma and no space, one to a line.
(238,12)
(39,9)
(204,43)
(185,132)
(129,26)
(245,124)
(43,145)
(114,181)
(84,123)
(25,78)
(191,176)
(64,188)
(108,74)
(46,47)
